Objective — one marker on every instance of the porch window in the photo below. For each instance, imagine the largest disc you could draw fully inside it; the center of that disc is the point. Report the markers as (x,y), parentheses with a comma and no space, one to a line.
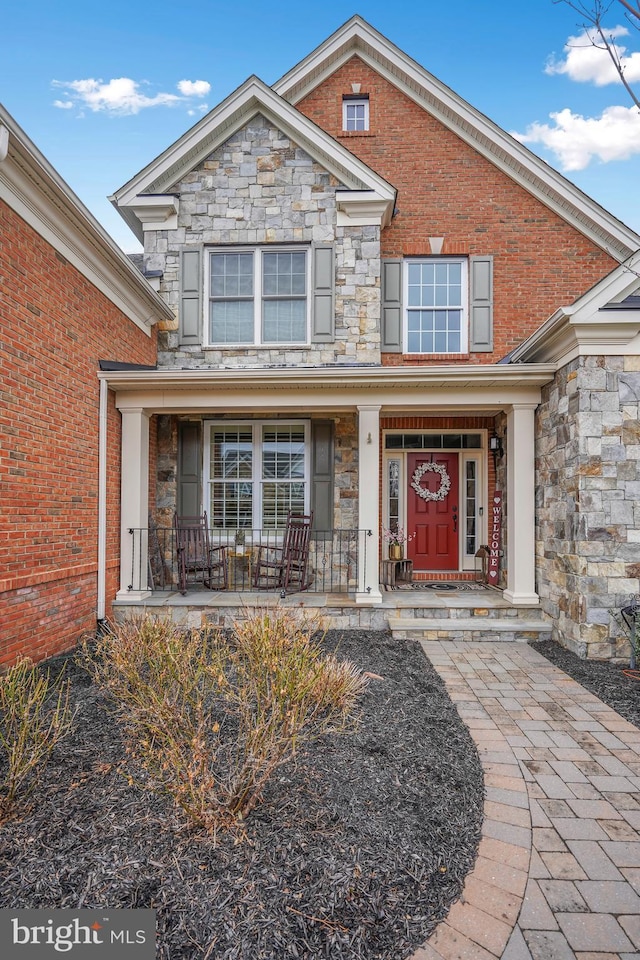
(471,507)
(436,306)
(258,296)
(257,472)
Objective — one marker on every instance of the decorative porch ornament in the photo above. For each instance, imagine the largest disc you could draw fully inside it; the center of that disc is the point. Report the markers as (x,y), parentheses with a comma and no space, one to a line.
(445,481)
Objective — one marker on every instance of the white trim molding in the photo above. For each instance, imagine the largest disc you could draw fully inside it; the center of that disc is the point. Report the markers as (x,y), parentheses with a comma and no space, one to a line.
(35,191)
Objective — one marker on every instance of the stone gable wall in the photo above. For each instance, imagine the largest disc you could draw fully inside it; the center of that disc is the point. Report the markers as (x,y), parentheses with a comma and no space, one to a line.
(588,501)
(260,188)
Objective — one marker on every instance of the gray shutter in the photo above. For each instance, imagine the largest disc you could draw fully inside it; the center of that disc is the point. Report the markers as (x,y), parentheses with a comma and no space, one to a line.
(322,460)
(323,281)
(481,304)
(391,294)
(190,297)
(189,468)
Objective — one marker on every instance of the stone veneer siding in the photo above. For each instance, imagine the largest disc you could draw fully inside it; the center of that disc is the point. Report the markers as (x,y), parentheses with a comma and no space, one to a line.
(588,501)
(261,188)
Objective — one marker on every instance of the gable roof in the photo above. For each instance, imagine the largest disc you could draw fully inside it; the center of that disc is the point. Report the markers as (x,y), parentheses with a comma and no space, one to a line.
(149,188)
(604,320)
(357,37)
(39,195)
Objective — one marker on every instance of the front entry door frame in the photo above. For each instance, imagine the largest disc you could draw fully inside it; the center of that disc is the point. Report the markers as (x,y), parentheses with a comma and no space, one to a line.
(433,523)
(472,524)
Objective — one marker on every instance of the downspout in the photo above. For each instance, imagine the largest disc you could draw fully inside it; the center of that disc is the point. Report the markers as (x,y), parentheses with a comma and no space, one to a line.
(102,504)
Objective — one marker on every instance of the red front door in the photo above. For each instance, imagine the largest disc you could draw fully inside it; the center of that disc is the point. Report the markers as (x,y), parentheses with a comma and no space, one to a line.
(434,522)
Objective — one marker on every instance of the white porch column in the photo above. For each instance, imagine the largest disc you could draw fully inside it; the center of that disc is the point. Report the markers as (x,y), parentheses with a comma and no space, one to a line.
(134,504)
(521,540)
(368,503)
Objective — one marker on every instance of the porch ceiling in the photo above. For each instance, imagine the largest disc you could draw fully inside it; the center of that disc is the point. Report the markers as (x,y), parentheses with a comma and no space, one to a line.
(486,387)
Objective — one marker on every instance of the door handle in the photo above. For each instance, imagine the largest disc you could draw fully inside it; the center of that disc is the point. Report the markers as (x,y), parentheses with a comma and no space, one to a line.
(454,511)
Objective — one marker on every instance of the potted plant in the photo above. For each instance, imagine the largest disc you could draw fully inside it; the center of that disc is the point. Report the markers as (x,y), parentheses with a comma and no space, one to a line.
(396,537)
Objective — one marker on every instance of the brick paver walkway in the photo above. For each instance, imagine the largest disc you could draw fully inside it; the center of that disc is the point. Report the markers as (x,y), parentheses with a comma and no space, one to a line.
(558,869)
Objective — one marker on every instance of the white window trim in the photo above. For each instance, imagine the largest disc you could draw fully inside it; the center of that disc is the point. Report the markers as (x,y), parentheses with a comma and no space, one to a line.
(465,307)
(256,427)
(257,252)
(353,101)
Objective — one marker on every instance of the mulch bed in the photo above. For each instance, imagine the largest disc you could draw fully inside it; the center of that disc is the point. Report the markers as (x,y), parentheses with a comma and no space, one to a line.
(358,850)
(606,680)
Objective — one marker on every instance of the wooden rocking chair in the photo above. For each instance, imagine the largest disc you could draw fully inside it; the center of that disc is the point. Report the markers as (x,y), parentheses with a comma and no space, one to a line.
(198,561)
(285,567)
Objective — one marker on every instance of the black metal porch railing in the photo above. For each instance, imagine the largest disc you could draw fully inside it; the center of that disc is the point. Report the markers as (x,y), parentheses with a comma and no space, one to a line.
(335,559)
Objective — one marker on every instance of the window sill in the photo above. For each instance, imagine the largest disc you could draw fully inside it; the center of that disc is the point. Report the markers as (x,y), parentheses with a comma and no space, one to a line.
(350,134)
(440,357)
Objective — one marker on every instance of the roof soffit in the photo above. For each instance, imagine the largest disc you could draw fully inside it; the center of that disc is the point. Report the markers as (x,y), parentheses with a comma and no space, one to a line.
(589,325)
(357,37)
(34,189)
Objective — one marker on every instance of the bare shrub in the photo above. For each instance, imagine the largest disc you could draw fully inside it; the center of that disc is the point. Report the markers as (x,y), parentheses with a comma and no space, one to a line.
(34,715)
(209,715)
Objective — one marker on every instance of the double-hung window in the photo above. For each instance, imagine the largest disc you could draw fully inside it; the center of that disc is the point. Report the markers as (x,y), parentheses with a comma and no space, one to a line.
(256,473)
(258,296)
(355,113)
(436,306)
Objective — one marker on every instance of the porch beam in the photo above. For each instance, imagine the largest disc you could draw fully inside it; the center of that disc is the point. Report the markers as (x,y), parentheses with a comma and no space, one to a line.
(521,559)
(134,502)
(369,503)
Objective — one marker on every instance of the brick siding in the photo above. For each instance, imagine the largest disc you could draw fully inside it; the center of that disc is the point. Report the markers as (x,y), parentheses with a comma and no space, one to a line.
(55,326)
(447,189)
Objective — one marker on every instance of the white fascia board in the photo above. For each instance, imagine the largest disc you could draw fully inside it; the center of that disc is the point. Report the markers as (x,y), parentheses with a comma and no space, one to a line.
(252,98)
(36,192)
(500,379)
(578,328)
(487,138)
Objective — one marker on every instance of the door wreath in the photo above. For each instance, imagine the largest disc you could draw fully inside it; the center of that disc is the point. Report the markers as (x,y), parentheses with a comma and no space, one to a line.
(445,481)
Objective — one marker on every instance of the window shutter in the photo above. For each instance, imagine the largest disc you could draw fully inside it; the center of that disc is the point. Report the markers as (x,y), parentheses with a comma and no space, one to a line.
(190,297)
(391,333)
(481,304)
(323,280)
(189,468)
(322,458)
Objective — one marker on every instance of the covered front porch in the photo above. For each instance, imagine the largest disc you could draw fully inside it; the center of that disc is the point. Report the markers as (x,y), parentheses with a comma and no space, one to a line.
(386,420)
(474,613)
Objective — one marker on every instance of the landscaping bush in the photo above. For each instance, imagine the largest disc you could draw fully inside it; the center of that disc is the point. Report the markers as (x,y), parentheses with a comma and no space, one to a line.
(210,715)
(34,716)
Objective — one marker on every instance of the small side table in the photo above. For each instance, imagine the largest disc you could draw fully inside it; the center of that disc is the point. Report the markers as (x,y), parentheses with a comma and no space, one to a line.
(396,571)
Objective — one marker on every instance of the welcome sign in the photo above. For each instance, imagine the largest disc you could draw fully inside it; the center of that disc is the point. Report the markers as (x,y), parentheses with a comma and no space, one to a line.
(495,527)
(82,934)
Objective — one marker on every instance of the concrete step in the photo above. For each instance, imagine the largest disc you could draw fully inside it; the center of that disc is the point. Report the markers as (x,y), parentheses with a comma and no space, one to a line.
(469,612)
(469,628)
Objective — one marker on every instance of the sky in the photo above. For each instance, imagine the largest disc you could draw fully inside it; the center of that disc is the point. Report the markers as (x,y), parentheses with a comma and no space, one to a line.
(103,89)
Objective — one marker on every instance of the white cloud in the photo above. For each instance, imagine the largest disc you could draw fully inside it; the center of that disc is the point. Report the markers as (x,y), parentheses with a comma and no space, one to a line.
(123,96)
(577,140)
(194,88)
(587,61)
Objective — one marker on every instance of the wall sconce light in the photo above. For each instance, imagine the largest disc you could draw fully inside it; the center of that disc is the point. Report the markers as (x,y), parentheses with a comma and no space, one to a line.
(369,438)
(495,445)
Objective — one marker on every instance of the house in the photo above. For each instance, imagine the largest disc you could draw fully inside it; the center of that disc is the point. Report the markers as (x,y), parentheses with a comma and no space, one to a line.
(68,297)
(388,311)
(380,308)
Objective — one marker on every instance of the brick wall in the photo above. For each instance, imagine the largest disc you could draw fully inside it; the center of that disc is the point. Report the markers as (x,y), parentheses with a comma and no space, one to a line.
(54,328)
(447,189)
